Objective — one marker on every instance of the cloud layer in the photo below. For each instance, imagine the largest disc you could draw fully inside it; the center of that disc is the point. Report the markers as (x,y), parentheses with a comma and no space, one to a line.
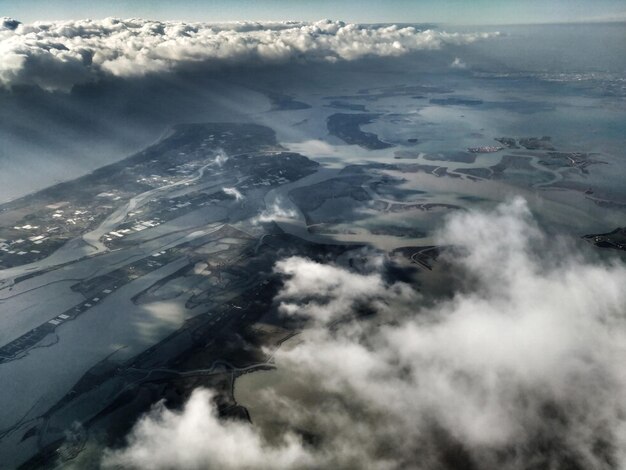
(59,55)
(523,368)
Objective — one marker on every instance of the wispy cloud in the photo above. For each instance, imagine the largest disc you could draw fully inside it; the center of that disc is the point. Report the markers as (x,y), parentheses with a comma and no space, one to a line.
(233,192)
(457,63)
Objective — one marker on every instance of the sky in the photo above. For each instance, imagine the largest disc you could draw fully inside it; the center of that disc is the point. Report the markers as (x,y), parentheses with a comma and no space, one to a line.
(365,11)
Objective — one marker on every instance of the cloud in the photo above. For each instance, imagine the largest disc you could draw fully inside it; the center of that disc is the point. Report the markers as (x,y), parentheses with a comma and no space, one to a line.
(457,63)
(523,367)
(221,158)
(58,55)
(8,24)
(275,211)
(332,291)
(233,191)
(196,438)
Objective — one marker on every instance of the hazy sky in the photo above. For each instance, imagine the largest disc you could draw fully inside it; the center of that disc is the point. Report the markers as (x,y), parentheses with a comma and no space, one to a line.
(442,11)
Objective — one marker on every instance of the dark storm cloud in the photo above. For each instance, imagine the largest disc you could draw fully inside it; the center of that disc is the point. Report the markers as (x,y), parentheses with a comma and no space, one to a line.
(58,55)
(523,370)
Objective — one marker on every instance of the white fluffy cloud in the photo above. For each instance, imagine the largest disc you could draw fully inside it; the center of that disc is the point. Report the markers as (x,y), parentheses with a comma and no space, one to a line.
(522,368)
(332,293)
(276,211)
(197,439)
(58,55)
